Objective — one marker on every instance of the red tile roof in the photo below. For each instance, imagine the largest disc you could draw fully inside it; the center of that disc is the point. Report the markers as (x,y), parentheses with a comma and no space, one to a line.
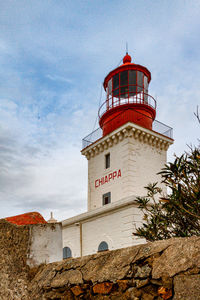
(27,218)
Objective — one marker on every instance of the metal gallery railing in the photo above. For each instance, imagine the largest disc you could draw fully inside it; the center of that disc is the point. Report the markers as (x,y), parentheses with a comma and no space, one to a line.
(114,101)
(156,126)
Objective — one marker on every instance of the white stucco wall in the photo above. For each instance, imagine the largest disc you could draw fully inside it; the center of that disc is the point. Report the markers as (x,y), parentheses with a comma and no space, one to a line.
(71,239)
(138,161)
(114,227)
(96,170)
(45,244)
(143,163)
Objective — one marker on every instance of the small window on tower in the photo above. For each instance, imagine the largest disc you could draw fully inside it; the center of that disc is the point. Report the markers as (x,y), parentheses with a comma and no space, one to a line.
(106,198)
(107,160)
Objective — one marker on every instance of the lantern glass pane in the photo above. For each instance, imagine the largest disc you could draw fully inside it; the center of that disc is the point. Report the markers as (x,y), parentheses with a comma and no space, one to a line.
(124,84)
(110,86)
(139,81)
(115,81)
(132,82)
(124,78)
(145,84)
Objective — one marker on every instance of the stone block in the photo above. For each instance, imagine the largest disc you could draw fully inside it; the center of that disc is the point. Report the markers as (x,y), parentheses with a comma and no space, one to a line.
(151,291)
(147,297)
(132,292)
(67,277)
(164,292)
(187,287)
(103,288)
(77,290)
(123,284)
(142,272)
(141,283)
(182,255)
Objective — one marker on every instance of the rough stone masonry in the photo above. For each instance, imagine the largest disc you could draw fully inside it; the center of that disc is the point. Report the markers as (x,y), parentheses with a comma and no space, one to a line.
(167,269)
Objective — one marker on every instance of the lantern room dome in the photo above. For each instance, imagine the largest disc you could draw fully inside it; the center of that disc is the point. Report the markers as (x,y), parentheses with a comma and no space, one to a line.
(127,98)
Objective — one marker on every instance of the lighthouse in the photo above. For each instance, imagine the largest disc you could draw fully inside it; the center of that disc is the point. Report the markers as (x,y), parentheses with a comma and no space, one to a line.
(124,155)
(132,146)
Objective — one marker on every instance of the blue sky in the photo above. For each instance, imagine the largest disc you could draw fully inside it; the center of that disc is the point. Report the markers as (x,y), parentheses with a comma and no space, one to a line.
(54,56)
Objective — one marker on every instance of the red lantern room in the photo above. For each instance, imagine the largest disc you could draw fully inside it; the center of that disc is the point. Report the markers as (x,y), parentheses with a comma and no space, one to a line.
(127,97)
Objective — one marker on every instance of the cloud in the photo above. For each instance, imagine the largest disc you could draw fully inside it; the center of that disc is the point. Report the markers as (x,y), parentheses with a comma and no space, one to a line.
(54,57)
(58,78)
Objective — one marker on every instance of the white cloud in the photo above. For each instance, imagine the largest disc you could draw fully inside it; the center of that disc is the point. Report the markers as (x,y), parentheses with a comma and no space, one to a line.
(54,56)
(58,78)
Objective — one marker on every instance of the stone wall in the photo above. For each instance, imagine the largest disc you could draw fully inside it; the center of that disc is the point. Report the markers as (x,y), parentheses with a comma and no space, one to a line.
(22,247)
(161,270)
(14,248)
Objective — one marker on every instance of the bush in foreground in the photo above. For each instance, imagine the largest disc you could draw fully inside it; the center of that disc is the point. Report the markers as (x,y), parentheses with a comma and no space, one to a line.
(178,214)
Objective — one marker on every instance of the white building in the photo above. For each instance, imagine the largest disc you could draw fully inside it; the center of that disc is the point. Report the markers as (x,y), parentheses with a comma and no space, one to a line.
(124,155)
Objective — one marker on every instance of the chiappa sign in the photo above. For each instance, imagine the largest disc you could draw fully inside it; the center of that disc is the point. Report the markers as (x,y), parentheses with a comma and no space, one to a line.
(107,178)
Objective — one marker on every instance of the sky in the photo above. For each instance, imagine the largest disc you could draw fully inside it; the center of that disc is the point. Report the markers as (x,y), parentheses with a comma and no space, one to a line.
(54,56)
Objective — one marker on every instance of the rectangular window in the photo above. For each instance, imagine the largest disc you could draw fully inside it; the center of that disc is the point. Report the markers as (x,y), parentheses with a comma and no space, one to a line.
(107,160)
(106,198)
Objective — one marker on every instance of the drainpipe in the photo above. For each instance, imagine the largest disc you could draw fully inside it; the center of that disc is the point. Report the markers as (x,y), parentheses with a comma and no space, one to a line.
(81,237)
(81,240)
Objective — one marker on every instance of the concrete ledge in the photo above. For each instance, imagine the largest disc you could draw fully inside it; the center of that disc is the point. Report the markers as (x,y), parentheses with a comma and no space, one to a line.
(102,210)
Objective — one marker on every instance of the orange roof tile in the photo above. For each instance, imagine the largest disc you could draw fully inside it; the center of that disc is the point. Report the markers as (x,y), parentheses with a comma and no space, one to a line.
(27,218)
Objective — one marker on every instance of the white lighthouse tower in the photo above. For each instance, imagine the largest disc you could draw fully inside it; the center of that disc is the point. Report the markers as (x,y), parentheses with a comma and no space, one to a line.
(124,155)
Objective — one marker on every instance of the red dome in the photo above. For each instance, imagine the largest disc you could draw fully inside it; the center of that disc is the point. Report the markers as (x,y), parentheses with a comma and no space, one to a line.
(127,59)
(127,98)
(27,219)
